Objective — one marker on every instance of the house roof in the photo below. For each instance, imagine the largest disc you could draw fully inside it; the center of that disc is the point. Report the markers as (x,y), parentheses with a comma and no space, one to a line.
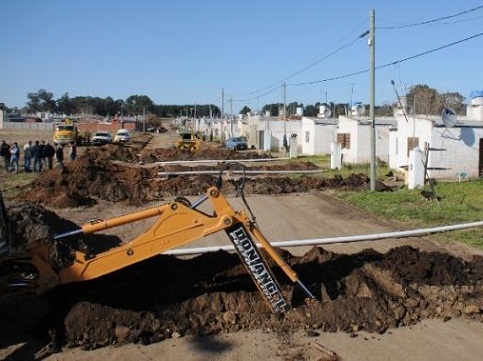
(461,124)
(388,121)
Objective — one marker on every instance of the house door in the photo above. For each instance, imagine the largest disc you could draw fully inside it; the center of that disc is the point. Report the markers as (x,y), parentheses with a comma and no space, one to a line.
(480,163)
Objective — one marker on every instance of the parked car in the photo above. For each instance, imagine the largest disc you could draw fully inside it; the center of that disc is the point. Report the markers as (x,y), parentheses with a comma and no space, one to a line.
(236,143)
(122,136)
(101,138)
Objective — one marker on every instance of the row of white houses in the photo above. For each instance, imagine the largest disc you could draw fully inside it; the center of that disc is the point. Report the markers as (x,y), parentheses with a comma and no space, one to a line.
(451,149)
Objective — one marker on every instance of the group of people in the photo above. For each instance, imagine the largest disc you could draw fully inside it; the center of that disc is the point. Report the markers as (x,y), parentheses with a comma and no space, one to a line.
(37,155)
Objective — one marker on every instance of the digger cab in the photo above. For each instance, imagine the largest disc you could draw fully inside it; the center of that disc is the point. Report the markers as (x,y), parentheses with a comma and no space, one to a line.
(188,141)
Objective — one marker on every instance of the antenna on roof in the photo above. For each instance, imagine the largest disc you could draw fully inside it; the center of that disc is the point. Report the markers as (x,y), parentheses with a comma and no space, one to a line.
(399,101)
(448,116)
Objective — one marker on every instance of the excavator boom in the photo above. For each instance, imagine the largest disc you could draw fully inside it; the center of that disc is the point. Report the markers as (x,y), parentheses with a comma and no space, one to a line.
(178,223)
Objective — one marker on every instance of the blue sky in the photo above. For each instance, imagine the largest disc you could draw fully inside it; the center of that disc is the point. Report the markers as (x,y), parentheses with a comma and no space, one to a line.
(187,51)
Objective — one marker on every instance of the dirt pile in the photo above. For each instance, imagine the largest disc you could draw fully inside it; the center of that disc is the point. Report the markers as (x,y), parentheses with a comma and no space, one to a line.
(113,173)
(204,153)
(167,297)
(212,293)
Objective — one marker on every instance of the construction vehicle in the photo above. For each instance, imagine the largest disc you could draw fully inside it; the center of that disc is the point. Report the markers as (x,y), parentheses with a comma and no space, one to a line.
(188,141)
(46,263)
(65,133)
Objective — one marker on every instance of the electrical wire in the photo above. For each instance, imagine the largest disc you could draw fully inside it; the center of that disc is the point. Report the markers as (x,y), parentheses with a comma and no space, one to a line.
(430,51)
(310,65)
(427,22)
(391,63)
(277,85)
(274,86)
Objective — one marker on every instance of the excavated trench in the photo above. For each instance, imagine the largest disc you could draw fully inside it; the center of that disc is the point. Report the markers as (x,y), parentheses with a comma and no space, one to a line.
(212,293)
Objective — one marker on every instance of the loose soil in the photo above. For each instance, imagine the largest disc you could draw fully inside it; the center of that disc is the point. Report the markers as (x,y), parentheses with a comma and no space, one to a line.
(166,297)
(97,174)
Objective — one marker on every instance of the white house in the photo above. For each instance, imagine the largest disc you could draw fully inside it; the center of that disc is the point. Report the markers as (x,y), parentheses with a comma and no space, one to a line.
(317,135)
(268,133)
(454,146)
(354,135)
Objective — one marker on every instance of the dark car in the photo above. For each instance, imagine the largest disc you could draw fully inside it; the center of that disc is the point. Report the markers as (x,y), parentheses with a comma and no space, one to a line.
(236,143)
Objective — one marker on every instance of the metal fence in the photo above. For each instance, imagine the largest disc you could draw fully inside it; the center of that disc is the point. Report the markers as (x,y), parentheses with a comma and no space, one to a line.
(28,126)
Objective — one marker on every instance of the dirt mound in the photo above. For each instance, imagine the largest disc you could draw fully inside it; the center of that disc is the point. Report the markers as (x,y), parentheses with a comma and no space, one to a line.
(112,173)
(204,153)
(212,293)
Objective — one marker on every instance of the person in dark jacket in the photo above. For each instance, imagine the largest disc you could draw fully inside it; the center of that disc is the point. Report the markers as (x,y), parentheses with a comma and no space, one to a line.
(37,156)
(49,152)
(42,154)
(73,151)
(59,156)
(5,153)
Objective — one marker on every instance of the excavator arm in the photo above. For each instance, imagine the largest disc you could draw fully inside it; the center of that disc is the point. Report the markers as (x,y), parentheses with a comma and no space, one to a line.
(43,265)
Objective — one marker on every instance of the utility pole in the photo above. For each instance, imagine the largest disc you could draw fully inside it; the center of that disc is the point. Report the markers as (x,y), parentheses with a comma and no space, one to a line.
(285,140)
(372,92)
(144,119)
(231,117)
(222,102)
(284,87)
(352,94)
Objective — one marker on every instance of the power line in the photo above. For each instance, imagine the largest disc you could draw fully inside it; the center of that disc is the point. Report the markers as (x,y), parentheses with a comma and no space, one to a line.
(430,51)
(274,86)
(310,65)
(431,21)
(259,96)
(391,63)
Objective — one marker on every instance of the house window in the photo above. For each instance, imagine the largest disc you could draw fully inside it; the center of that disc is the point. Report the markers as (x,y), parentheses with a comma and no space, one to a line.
(307,137)
(413,142)
(344,139)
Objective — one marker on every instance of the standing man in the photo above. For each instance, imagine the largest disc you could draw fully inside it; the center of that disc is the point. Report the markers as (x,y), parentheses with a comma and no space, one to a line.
(5,153)
(73,151)
(37,156)
(49,153)
(42,154)
(14,156)
(59,156)
(27,156)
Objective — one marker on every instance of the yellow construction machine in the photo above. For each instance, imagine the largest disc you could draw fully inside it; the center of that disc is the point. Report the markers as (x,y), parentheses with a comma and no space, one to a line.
(188,141)
(46,263)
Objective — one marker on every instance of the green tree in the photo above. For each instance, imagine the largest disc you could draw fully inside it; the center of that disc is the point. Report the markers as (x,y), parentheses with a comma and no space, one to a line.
(41,101)
(423,99)
(312,110)
(65,105)
(455,101)
(292,108)
(245,110)
(272,108)
(139,104)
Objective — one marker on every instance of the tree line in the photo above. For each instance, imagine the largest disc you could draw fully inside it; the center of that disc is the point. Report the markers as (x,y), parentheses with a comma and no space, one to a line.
(420,99)
(44,101)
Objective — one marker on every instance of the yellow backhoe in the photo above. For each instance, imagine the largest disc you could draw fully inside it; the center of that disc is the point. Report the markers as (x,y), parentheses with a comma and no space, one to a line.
(46,263)
(188,141)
